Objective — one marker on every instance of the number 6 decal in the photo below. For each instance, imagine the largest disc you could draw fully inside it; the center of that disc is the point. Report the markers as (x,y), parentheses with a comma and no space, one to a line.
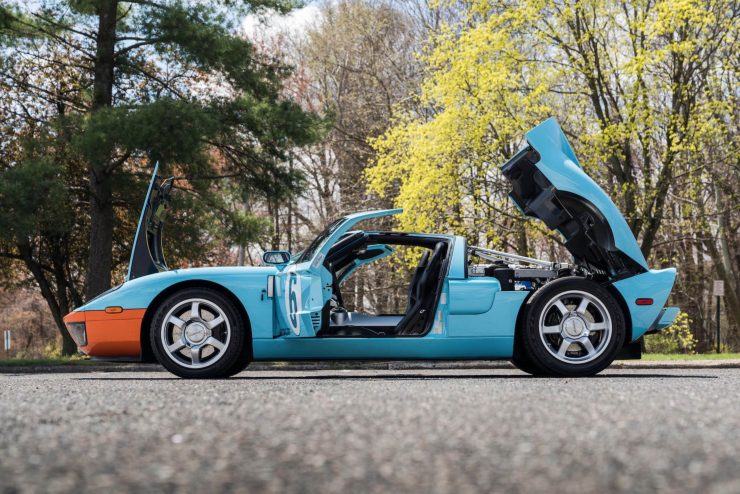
(293,302)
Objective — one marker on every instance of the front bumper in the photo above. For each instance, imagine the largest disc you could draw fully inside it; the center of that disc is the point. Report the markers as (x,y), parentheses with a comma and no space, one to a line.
(78,332)
(102,334)
(75,323)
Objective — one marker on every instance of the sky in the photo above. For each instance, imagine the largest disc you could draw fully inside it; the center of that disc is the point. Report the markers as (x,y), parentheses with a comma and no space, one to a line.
(295,22)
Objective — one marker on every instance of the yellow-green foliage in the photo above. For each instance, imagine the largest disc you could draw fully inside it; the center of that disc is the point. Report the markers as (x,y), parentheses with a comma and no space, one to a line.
(444,165)
(606,69)
(676,338)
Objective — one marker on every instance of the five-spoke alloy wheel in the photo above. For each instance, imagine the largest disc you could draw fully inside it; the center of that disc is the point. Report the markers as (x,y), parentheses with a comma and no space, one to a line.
(572,327)
(195,333)
(575,327)
(198,333)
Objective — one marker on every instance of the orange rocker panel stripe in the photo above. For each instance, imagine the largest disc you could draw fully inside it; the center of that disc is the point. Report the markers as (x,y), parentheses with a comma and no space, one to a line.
(111,334)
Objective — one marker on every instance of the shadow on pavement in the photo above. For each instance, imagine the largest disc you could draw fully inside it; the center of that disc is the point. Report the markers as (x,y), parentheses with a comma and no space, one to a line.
(402,377)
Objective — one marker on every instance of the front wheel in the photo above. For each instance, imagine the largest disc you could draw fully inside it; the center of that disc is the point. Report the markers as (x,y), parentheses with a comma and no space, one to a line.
(198,333)
(572,327)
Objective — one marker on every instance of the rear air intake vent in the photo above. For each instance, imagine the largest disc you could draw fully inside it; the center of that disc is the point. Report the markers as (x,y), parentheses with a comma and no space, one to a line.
(316,320)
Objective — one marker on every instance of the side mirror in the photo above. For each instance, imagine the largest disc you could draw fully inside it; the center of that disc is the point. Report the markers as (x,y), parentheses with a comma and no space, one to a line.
(276,257)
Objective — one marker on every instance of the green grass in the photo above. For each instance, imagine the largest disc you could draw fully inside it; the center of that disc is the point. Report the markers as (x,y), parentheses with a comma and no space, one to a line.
(46,362)
(698,356)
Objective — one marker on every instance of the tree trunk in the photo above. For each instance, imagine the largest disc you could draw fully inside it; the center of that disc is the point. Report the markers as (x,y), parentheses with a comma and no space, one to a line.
(290,212)
(69,347)
(522,246)
(57,312)
(724,264)
(100,260)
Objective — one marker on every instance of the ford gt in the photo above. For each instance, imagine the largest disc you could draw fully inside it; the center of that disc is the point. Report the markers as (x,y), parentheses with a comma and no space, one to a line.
(570,318)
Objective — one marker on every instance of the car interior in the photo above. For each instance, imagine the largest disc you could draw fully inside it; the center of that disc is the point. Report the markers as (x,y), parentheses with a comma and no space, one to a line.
(357,248)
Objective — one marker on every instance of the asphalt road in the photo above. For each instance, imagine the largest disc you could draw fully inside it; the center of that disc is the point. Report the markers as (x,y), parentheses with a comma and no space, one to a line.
(372,431)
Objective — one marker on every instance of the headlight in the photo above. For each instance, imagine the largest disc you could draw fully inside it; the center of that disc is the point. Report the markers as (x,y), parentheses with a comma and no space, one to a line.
(77,332)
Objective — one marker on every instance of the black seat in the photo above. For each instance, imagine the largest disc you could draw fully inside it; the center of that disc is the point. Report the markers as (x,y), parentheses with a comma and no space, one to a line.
(416,318)
(414,285)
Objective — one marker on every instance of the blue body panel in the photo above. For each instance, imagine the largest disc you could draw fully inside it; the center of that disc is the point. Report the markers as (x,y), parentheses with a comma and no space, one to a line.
(667,317)
(248,284)
(308,292)
(473,296)
(655,284)
(561,167)
(427,347)
(498,321)
(458,265)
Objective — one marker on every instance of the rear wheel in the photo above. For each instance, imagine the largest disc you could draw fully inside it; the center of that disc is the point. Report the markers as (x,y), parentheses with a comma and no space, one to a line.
(573,327)
(198,333)
(522,361)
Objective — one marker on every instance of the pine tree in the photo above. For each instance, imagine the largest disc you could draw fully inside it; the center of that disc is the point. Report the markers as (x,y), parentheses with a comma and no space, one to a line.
(114,86)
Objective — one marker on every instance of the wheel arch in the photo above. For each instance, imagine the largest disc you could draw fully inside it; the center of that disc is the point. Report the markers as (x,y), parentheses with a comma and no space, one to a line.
(612,291)
(554,363)
(625,310)
(520,317)
(147,354)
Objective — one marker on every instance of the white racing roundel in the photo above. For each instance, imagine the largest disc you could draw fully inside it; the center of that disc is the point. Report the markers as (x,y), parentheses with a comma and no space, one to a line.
(293,302)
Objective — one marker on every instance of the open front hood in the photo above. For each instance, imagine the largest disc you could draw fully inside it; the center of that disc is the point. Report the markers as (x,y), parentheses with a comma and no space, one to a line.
(548,183)
(147,256)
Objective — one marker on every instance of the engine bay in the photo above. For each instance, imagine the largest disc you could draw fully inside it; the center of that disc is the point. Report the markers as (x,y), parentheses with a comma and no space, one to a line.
(516,272)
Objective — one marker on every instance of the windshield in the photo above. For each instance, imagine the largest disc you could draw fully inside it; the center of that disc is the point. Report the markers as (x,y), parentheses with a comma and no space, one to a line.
(311,250)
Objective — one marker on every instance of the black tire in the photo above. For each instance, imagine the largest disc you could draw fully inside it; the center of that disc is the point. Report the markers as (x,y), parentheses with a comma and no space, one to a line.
(231,359)
(245,358)
(522,361)
(600,325)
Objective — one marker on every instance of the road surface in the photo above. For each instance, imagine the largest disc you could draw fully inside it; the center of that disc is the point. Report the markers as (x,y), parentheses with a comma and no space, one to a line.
(469,430)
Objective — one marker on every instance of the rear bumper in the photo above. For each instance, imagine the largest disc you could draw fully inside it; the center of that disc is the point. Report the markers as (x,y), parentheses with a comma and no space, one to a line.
(100,334)
(664,319)
(653,286)
(633,350)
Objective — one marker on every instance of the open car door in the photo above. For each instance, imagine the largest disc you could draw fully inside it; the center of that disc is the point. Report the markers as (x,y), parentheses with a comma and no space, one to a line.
(352,263)
(304,288)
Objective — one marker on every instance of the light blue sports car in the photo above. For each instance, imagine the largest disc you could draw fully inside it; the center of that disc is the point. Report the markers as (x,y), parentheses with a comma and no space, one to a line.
(464,302)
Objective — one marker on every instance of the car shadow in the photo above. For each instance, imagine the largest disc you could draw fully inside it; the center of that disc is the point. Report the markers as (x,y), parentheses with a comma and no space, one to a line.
(406,377)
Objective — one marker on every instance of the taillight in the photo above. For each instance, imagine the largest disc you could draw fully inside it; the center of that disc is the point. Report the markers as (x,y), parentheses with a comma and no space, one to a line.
(644,301)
